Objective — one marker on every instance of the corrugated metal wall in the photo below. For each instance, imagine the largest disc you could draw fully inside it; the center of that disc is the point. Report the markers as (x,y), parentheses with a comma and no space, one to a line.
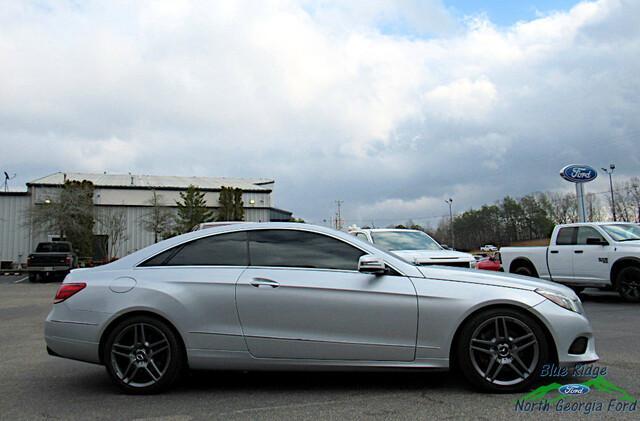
(17,240)
(14,233)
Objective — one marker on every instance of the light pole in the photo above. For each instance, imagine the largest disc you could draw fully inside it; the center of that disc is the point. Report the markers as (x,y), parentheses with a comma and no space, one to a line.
(613,203)
(453,241)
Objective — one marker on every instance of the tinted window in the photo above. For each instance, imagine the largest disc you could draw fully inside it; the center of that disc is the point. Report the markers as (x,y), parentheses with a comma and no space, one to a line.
(588,232)
(566,236)
(291,248)
(216,250)
(53,248)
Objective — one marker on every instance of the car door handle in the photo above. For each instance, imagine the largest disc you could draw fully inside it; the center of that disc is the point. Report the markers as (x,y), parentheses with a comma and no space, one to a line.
(264,282)
(554,251)
(578,251)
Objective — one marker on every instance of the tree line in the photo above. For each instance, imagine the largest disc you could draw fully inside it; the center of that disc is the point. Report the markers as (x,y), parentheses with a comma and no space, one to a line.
(533,216)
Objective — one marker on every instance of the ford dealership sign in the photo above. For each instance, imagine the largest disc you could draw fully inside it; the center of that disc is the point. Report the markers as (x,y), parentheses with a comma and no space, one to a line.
(578,173)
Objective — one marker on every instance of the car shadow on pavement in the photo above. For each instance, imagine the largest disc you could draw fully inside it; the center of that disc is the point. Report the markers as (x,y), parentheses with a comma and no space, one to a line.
(269,381)
(596,296)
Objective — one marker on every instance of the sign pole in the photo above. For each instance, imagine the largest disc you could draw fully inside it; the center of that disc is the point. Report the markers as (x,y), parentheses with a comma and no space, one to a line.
(579,174)
(582,215)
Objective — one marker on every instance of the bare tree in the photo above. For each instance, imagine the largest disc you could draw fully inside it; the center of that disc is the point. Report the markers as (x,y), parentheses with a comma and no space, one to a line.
(113,223)
(158,219)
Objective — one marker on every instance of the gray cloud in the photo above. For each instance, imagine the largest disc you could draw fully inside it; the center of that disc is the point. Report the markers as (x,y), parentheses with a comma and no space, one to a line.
(386,111)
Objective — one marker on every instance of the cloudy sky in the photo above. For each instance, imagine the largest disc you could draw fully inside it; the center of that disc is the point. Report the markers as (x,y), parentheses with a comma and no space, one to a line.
(391,106)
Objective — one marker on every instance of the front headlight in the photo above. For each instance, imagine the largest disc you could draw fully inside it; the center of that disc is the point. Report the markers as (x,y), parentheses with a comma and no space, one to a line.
(561,300)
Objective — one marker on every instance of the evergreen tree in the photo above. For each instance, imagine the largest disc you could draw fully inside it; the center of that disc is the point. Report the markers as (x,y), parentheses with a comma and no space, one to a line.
(192,210)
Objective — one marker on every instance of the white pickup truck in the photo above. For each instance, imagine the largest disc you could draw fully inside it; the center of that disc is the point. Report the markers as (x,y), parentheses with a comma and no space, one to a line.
(601,254)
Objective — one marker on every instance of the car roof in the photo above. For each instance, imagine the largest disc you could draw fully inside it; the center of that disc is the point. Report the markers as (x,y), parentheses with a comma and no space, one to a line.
(385,230)
(579,224)
(135,258)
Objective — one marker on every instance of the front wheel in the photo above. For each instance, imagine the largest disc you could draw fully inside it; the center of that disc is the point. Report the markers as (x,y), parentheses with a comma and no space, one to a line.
(143,355)
(502,350)
(628,284)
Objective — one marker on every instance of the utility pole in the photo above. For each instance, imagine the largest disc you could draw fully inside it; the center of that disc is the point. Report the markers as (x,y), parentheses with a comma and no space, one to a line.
(453,241)
(339,215)
(613,202)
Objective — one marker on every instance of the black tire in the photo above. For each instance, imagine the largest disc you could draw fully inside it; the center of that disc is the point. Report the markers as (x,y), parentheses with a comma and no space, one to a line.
(628,284)
(33,278)
(577,290)
(524,270)
(143,355)
(517,360)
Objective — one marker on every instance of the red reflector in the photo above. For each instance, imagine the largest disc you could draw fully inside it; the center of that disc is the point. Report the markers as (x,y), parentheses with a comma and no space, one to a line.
(67,290)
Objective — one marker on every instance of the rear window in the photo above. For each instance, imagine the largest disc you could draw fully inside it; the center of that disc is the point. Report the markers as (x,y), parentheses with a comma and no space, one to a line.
(53,248)
(216,250)
(566,236)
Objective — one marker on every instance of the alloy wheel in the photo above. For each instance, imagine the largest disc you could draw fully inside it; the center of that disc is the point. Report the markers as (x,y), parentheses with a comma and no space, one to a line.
(504,351)
(140,355)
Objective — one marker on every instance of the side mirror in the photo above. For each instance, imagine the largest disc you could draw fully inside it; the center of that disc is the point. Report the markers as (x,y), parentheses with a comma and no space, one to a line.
(371,264)
(593,241)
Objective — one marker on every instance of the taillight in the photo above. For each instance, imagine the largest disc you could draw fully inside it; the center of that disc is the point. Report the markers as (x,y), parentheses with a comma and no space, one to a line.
(67,290)
(68,260)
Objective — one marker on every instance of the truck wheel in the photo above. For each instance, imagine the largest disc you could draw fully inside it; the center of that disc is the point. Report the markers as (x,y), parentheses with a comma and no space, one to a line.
(628,284)
(525,270)
(33,278)
(577,290)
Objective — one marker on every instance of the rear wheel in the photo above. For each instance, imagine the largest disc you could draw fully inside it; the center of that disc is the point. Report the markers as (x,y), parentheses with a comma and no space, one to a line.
(628,284)
(502,350)
(524,270)
(143,355)
(34,277)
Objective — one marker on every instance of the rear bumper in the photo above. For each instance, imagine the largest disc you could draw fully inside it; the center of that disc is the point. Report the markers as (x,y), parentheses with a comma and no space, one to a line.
(68,337)
(48,269)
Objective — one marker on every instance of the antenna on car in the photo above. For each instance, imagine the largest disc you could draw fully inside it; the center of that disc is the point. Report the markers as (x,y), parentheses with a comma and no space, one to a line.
(6,180)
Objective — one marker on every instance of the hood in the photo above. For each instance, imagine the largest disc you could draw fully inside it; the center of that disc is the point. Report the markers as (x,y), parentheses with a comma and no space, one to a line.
(434,256)
(635,244)
(507,280)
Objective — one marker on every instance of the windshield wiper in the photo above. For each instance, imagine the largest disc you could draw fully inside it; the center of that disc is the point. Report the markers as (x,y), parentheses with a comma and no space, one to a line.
(629,239)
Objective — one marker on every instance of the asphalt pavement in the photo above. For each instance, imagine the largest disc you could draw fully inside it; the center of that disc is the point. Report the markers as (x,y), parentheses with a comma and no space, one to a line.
(34,385)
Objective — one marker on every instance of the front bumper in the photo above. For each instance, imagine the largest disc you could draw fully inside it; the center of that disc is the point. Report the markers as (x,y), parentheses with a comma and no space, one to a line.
(565,327)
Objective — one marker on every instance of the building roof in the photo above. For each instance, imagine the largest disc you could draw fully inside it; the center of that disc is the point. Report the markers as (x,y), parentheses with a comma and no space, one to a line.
(155,181)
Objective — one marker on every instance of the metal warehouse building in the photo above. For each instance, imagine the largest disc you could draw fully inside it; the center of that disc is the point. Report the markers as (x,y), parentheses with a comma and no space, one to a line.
(130,194)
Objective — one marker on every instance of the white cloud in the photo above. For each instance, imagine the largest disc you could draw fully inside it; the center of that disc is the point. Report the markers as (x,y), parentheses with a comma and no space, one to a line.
(385,105)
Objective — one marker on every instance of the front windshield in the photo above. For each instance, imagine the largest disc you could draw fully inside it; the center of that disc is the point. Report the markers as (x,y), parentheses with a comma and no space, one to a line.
(623,232)
(404,240)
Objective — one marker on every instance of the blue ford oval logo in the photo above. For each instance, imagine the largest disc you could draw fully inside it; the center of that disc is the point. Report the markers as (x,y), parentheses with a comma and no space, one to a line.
(578,173)
(574,389)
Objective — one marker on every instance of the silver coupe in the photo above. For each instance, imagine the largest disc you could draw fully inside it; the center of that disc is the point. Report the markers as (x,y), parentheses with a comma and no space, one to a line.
(289,296)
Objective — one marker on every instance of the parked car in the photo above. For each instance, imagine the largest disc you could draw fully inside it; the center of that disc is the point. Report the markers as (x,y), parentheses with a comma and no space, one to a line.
(603,255)
(214,224)
(52,259)
(299,297)
(489,248)
(415,246)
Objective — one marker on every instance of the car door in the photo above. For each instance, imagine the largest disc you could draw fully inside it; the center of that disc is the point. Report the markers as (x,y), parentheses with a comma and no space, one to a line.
(591,261)
(560,255)
(302,297)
